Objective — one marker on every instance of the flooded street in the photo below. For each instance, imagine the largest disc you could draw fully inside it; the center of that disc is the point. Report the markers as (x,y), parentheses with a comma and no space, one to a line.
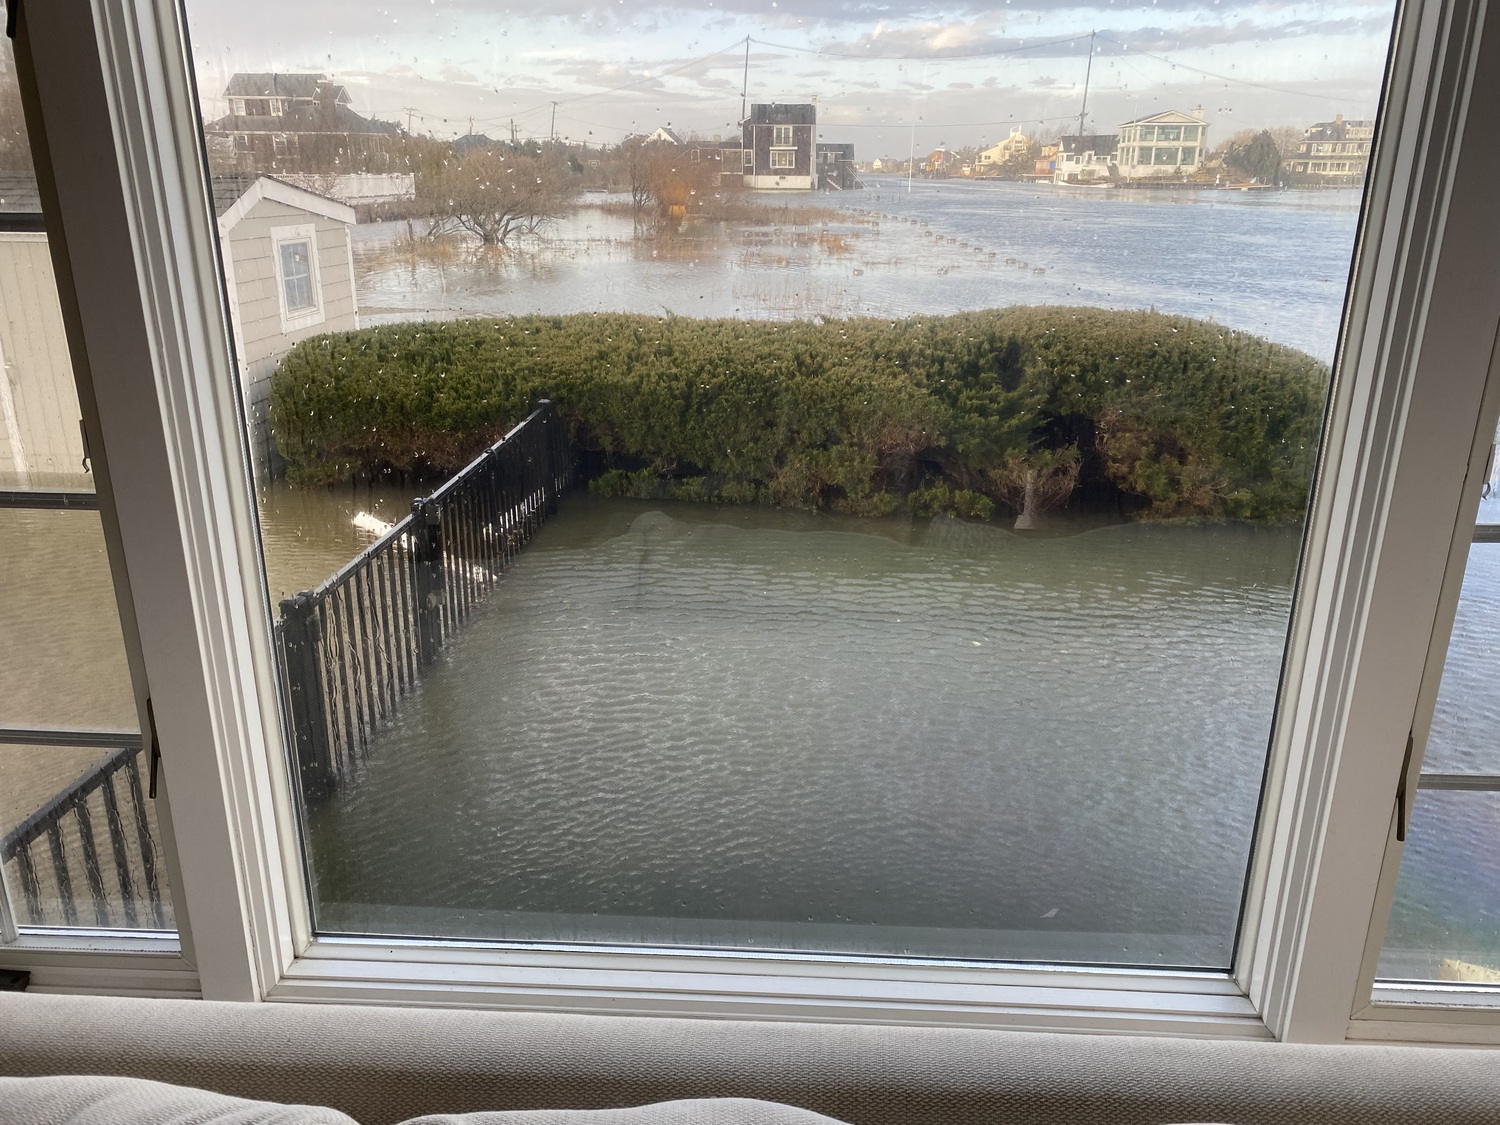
(1274,264)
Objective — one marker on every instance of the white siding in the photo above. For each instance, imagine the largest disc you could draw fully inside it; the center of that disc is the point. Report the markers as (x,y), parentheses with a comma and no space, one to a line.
(259,333)
(39,433)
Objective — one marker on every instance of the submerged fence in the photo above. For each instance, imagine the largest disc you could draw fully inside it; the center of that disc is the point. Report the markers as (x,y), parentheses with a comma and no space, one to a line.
(89,856)
(355,647)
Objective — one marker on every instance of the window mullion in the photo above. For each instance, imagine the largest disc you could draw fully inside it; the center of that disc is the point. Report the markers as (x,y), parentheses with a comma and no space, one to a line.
(1419,327)
(153,327)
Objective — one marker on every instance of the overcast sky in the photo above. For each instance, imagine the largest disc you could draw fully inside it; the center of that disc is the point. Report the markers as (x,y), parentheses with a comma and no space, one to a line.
(962,73)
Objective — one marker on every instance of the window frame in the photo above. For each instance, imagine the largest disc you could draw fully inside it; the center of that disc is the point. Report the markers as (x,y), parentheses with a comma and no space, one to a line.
(294,319)
(1416,345)
(783,159)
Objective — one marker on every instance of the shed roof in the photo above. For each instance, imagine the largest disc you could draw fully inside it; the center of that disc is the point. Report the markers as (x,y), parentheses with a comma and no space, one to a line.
(18,193)
(237,192)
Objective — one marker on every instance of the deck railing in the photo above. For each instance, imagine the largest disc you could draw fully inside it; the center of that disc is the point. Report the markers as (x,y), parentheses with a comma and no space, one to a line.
(65,876)
(353,648)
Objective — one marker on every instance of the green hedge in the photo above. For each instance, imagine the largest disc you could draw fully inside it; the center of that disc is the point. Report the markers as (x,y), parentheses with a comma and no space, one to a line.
(859,415)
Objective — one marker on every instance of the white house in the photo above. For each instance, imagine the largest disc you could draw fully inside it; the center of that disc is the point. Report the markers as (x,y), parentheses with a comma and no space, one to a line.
(1013,146)
(664,135)
(1164,144)
(289,263)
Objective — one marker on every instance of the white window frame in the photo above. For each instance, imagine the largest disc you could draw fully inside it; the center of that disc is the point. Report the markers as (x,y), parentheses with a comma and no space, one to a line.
(147,306)
(783,159)
(293,320)
(782,136)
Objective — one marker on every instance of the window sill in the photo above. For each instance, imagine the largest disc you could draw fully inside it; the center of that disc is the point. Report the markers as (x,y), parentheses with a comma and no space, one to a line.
(770,987)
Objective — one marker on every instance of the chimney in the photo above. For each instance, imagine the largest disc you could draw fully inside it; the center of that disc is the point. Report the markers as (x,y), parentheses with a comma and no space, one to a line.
(1198,113)
(1338,118)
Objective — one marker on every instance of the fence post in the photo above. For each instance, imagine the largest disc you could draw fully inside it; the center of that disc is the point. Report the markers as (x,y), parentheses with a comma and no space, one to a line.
(427,532)
(301,650)
(549,422)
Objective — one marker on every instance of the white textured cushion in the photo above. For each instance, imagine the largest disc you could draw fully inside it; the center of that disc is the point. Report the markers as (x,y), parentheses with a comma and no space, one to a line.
(693,1111)
(92,1100)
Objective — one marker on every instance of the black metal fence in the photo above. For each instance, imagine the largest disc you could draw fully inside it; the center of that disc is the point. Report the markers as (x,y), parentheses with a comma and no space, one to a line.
(69,876)
(353,648)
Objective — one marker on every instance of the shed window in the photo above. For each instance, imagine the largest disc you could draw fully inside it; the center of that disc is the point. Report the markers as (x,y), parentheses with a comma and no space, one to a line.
(296,275)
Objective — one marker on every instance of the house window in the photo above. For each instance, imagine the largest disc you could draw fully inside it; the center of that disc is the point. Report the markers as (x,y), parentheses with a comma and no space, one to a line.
(279,145)
(1165,156)
(1190,133)
(276,104)
(783,158)
(1146,155)
(1189,156)
(241,142)
(297,275)
(1148,132)
(781,135)
(1169,133)
(749,158)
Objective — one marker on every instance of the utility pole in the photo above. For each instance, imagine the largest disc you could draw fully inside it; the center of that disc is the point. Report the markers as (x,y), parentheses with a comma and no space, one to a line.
(552,131)
(745,82)
(911,155)
(512,132)
(409,111)
(1087,72)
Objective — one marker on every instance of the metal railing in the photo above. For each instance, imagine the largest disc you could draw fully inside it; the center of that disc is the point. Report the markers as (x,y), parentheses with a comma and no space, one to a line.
(57,852)
(352,649)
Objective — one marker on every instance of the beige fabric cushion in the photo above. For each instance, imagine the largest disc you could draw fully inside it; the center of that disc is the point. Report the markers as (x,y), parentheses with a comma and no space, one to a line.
(96,1100)
(383,1065)
(694,1111)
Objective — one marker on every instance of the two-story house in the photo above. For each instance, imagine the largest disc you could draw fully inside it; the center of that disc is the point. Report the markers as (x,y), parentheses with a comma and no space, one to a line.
(778,146)
(1086,158)
(1014,147)
(297,123)
(1164,144)
(1334,152)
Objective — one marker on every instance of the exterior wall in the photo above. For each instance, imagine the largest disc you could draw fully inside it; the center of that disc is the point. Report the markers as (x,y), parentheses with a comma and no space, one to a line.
(801,176)
(262,335)
(1141,144)
(40,442)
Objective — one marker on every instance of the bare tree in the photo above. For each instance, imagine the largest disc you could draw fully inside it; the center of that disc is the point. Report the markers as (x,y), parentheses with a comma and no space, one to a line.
(495,193)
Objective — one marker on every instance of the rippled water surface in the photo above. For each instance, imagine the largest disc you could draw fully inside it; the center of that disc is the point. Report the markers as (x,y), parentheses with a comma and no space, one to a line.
(1274,264)
(741,727)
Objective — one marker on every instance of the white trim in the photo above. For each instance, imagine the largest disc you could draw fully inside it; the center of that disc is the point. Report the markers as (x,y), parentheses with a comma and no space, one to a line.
(279,191)
(1421,320)
(294,319)
(759,986)
(144,268)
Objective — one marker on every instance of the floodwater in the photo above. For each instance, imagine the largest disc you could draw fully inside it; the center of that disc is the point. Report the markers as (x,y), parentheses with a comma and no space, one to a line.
(1272,263)
(740,727)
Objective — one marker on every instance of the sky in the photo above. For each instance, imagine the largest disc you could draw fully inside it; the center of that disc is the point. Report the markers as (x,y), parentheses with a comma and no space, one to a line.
(887,76)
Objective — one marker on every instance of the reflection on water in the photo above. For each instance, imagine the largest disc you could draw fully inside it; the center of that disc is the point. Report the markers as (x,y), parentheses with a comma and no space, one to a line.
(1274,264)
(740,727)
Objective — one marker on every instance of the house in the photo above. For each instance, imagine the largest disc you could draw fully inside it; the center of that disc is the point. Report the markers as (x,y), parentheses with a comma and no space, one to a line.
(940,162)
(298,123)
(1013,147)
(777,146)
(1081,159)
(1334,152)
(41,444)
(836,171)
(1164,144)
(289,270)
(663,135)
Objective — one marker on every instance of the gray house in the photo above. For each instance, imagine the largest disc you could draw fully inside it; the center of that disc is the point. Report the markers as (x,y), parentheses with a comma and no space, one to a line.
(778,146)
(289,264)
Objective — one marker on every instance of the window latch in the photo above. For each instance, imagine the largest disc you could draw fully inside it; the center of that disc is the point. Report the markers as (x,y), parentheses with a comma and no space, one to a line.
(155,750)
(84,434)
(1404,801)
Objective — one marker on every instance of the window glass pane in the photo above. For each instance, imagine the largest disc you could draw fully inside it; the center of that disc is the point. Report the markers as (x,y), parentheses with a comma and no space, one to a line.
(79,840)
(1464,725)
(296,275)
(1445,922)
(62,659)
(897,558)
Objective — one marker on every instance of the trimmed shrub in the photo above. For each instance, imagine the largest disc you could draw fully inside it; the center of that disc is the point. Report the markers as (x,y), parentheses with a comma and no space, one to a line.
(852,415)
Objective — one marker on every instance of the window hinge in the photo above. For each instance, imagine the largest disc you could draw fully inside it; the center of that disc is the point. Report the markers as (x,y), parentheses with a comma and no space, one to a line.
(1403,788)
(1487,488)
(154,745)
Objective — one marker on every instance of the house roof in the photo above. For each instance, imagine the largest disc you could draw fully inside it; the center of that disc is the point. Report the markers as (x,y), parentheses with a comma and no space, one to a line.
(664,134)
(1101,144)
(1170,117)
(304,117)
(235,194)
(273,85)
(778,113)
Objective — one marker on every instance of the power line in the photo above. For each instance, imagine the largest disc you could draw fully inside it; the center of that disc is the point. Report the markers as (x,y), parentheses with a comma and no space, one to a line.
(985,54)
(1226,77)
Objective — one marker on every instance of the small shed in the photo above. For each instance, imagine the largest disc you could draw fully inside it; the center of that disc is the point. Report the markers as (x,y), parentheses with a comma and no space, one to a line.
(289,265)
